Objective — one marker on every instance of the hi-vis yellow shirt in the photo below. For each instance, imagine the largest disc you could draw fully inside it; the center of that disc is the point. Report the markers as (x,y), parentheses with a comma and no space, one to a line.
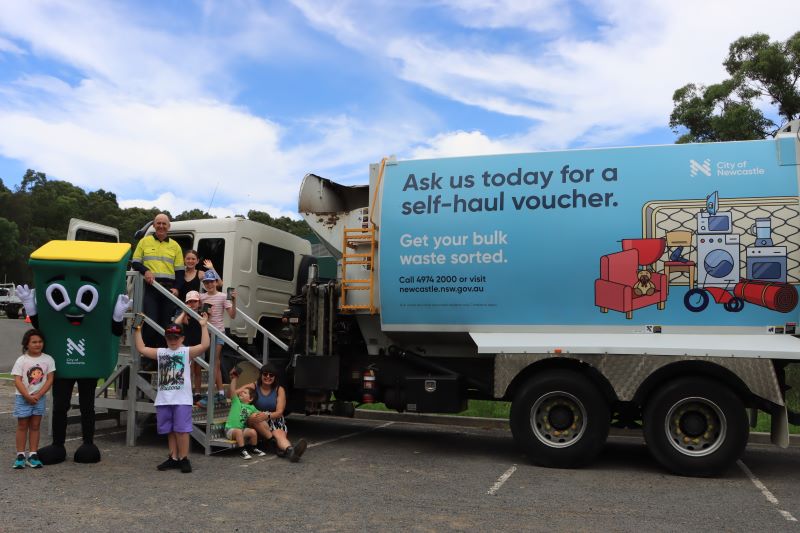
(162,258)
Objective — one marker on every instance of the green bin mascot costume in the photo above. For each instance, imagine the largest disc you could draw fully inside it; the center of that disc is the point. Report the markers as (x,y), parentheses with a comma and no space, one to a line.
(79,306)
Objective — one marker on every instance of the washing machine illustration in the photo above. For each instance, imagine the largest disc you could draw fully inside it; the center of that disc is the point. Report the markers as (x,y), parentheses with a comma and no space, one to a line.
(718,262)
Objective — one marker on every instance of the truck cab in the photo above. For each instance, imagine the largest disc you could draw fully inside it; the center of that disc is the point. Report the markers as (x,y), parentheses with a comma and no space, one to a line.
(265,265)
(83,230)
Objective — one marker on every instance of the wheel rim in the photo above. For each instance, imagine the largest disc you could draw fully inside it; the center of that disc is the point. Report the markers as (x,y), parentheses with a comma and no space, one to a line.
(695,426)
(558,419)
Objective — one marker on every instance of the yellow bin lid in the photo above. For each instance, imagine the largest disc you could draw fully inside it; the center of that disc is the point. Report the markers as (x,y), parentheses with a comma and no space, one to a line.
(89,251)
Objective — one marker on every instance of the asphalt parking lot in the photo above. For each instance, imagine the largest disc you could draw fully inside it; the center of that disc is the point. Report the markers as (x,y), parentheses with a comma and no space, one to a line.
(362,474)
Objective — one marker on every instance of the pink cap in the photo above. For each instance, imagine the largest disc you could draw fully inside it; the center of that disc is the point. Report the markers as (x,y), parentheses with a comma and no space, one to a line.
(192,296)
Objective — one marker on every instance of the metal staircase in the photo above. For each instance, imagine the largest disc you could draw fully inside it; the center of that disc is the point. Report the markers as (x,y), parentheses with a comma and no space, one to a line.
(129,389)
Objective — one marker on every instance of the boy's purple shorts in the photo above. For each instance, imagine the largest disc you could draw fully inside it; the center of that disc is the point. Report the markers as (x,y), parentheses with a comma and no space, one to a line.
(174,419)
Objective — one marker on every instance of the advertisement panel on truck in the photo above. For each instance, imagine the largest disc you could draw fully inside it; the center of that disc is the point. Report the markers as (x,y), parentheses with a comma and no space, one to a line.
(679,235)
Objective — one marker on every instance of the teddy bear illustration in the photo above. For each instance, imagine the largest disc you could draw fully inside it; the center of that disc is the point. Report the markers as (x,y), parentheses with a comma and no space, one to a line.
(644,286)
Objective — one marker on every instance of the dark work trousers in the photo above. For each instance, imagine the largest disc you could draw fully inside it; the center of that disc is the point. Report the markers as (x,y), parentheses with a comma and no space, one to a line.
(156,306)
(62,393)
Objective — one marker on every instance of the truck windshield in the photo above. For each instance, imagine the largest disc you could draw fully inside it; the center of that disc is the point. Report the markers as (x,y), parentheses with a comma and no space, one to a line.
(88,235)
(186,242)
(213,249)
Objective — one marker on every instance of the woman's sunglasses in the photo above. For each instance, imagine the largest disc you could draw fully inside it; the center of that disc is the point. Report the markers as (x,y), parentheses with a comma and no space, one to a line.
(268,374)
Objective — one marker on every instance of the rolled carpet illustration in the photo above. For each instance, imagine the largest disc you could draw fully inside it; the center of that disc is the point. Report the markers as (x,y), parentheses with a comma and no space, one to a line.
(780,297)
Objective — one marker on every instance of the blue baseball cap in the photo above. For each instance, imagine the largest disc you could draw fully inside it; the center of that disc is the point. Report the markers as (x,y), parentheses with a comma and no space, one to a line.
(210,275)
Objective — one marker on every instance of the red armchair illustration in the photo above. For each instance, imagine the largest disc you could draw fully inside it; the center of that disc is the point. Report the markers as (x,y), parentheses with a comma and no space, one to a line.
(619,274)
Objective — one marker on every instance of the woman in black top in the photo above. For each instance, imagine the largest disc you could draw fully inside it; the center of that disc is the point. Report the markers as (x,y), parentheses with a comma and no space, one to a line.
(191,275)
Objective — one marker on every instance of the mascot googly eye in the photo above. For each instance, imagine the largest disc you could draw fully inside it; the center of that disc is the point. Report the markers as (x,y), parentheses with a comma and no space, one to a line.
(57,296)
(87,298)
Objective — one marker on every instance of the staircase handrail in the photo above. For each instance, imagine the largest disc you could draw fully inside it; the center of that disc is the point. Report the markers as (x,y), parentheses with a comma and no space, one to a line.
(232,344)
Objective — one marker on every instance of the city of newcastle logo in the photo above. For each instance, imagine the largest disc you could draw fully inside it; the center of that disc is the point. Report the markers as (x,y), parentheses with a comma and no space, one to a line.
(79,347)
(703,168)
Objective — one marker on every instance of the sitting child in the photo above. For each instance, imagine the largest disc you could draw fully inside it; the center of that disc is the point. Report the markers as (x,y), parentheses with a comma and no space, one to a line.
(236,425)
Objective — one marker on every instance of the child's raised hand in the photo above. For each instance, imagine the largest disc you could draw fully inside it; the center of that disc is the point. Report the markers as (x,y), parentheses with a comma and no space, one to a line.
(233,373)
(203,320)
(208,264)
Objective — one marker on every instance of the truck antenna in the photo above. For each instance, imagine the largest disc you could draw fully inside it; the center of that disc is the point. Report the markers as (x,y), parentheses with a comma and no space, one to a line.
(213,194)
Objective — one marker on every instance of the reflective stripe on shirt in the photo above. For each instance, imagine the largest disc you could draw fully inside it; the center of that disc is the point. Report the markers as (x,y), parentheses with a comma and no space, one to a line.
(162,258)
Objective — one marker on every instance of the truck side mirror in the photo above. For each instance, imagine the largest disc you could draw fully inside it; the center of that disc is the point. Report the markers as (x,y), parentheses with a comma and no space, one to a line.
(140,232)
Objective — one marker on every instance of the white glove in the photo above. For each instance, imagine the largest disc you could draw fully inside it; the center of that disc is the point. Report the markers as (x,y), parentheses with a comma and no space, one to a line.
(122,305)
(27,295)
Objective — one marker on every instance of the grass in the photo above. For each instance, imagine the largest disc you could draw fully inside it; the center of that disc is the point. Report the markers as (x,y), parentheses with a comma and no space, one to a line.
(489,409)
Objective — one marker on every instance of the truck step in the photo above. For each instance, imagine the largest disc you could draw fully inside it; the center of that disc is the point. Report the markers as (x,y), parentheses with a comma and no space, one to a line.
(223,443)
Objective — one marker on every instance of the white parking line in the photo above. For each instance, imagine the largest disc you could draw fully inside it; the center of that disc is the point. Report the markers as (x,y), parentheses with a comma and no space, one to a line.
(765,491)
(320,443)
(502,479)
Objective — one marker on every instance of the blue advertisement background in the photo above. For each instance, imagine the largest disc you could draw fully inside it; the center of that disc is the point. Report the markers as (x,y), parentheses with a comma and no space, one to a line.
(552,256)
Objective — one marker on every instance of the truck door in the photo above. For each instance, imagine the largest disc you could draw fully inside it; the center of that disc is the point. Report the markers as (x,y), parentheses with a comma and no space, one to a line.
(82,230)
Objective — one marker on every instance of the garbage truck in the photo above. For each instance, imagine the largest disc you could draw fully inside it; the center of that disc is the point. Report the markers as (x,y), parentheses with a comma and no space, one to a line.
(645,287)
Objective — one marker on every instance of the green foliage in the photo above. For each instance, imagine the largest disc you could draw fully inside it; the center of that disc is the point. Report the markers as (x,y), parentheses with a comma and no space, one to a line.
(193,214)
(39,210)
(9,243)
(296,227)
(759,71)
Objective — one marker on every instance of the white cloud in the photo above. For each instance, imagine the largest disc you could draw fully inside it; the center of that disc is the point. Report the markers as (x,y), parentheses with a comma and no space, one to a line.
(100,137)
(169,201)
(9,47)
(143,103)
(535,15)
(148,116)
(598,83)
(461,143)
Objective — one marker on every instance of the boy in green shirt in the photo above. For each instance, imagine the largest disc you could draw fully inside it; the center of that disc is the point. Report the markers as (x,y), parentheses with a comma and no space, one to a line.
(236,425)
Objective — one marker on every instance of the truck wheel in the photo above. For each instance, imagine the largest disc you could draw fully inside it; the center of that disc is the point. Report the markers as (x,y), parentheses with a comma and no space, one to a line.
(734,305)
(12,311)
(695,427)
(560,419)
(695,300)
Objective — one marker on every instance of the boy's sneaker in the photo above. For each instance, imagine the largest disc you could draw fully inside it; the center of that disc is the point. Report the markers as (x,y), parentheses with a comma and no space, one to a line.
(296,451)
(169,464)
(258,452)
(245,455)
(203,401)
(19,462)
(185,465)
(33,461)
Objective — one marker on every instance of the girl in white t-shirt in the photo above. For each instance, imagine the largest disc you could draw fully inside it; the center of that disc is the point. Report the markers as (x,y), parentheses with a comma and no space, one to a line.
(33,377)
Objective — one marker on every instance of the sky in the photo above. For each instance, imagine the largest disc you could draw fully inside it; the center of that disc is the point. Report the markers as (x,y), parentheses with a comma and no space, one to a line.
(225,105)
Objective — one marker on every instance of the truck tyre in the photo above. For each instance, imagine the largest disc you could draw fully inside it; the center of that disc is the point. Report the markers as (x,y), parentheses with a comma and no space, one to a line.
(12,311)
(560,419)
(695,426)
(695,300)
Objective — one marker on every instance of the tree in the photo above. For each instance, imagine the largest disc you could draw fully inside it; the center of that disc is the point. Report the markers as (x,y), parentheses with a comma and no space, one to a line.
(296,227)
(193,214)
(12,250)
(38,210)
(760,71)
